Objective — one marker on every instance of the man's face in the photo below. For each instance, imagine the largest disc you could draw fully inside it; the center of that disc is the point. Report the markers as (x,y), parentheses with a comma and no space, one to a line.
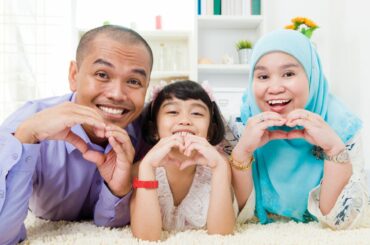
(112,79)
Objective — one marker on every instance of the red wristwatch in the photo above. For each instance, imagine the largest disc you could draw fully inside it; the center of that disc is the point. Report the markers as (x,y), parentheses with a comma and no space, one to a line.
(148,184)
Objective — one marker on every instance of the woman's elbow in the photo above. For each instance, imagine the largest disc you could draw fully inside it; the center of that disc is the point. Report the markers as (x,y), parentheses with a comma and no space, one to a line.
(227,230)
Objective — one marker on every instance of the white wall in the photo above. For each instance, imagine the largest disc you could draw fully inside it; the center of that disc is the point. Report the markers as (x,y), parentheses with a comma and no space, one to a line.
(35,49)
(139,14)
(342,40)
(38,38)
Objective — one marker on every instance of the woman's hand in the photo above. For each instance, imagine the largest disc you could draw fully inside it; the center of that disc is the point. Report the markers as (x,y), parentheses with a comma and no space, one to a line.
(315,130)
(256,134)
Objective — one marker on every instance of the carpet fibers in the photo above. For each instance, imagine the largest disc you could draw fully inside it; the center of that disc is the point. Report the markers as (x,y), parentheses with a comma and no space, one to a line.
(47,232)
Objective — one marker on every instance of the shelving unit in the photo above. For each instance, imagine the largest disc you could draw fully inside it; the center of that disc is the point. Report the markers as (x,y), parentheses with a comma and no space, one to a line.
(205,69)
(226,22)
(172,54)
(216,36)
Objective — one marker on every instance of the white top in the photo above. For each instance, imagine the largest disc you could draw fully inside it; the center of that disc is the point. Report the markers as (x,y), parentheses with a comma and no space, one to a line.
(192,212)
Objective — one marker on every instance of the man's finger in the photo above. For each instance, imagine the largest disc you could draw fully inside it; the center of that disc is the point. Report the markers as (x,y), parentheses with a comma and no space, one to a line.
(77,142)
(95,157)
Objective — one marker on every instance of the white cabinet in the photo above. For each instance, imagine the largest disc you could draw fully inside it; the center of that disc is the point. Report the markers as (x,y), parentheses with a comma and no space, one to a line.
(216,36)
(172,53)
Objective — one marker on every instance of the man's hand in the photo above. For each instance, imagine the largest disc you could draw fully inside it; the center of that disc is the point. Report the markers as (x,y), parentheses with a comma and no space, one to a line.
(115,167)
(55,124)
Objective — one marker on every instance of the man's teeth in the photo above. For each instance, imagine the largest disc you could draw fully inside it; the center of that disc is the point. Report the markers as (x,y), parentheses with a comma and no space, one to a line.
(273,102)
(184,133)
(111,110)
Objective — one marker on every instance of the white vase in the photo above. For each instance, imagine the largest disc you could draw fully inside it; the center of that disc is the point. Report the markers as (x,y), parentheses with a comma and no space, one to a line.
(244,55)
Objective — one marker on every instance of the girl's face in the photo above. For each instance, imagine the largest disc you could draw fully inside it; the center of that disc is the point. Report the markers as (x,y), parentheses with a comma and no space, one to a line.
(280,83)
(177,116)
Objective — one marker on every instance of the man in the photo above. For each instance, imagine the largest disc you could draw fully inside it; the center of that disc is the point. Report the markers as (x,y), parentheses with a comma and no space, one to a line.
(70,157)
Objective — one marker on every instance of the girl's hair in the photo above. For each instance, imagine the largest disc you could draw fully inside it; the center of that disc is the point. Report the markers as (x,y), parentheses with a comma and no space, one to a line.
(183,90)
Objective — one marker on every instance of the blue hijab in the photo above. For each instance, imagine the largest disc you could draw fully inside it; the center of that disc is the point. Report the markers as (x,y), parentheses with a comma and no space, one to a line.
(286,171)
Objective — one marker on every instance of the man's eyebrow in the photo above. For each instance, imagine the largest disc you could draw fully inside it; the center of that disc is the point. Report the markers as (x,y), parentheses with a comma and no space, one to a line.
(103,62)
(107,63)
(140,71)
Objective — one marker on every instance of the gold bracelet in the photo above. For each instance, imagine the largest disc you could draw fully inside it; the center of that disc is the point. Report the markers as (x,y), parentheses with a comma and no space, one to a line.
(240,165)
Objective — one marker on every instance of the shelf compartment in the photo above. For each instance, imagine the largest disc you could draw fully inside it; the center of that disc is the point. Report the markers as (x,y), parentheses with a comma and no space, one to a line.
(226,22)
(223,68)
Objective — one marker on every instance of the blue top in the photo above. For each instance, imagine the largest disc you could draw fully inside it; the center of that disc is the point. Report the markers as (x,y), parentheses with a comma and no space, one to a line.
(286,170)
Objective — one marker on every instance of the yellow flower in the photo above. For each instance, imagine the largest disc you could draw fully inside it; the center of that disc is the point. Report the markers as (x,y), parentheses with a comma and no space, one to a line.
(310,23)
(292,27)
(298,20)
(308,26)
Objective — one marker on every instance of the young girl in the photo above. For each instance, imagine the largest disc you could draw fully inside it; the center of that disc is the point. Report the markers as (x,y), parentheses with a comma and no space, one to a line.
(302,142)
(193,178)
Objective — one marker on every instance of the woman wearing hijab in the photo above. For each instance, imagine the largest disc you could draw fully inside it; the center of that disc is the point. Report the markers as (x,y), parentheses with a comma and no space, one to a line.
(299,156)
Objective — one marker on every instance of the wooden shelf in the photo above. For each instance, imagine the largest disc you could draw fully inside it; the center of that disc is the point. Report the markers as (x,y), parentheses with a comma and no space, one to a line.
(156,75)
(166,35)
(223,68)
(227,22)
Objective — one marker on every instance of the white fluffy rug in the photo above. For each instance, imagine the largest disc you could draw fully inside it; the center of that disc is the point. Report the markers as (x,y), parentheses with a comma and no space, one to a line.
(47,232)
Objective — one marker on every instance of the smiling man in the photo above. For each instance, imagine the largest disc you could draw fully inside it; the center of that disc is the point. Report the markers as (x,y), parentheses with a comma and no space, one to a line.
(70,157)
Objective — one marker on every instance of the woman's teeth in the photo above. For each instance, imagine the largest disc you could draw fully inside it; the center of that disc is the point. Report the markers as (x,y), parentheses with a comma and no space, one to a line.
(277,102)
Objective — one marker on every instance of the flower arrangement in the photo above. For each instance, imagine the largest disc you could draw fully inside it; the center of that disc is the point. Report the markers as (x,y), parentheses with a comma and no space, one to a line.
(243,44)
(303,25)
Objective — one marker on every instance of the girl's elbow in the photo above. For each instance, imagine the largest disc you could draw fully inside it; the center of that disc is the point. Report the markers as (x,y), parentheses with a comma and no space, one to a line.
(147,236)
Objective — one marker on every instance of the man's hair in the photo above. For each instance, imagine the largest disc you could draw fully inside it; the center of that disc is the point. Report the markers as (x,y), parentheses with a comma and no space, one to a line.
(183,90)
(115,32)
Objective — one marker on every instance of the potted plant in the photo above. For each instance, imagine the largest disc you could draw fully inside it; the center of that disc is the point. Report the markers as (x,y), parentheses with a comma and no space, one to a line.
(244,48)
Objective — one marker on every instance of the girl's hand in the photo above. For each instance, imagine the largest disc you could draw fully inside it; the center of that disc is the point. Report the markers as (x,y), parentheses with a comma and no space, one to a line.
(256,133)
(159,154)
(316,131)
(201,152)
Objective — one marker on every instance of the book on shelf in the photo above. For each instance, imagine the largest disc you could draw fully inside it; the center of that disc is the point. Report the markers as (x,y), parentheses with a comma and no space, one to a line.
(229,7)
(256,7)
(217,7)
(209,7)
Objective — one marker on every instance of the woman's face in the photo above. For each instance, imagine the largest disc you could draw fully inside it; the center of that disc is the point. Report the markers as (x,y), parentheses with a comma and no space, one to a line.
(280,83)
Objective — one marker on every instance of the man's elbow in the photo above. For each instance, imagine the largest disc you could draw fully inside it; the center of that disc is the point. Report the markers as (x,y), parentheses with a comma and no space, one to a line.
(10,235)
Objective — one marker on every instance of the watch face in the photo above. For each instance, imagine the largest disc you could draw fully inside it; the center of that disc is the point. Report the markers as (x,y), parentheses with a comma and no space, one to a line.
(343,157)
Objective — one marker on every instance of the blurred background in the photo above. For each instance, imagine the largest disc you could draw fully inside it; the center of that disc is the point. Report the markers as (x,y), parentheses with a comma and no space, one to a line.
(38,39)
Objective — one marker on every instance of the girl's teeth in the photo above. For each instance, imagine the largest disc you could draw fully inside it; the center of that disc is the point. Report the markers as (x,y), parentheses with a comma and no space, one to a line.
(183,133)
